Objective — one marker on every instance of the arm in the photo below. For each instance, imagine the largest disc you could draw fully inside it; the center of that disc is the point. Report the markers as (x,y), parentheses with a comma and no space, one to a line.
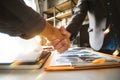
(77,19)
(17,19)
(72,28)
(52,33)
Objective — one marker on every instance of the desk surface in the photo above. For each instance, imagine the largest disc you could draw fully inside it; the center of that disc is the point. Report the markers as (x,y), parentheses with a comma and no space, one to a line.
(98,74)
(95,74)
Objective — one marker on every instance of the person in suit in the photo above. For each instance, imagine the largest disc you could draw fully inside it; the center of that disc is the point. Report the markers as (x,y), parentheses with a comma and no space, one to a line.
(102,14)
(17,19)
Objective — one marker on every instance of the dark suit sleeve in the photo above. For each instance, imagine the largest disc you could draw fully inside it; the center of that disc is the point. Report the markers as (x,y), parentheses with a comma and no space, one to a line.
(17,19)
(78,17)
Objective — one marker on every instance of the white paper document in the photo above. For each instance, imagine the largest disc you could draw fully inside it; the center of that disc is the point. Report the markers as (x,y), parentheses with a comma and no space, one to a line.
(81,57)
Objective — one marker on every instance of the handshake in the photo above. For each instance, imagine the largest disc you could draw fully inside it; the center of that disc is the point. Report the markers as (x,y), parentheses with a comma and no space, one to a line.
(58,38)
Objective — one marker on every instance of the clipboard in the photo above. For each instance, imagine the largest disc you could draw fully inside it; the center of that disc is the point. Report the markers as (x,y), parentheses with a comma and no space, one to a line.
(84,65)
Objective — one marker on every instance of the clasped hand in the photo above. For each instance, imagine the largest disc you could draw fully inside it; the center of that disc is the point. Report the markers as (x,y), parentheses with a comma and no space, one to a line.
(64,44)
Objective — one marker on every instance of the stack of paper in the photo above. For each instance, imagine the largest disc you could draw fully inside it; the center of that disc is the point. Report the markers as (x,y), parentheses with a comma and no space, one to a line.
(81,59)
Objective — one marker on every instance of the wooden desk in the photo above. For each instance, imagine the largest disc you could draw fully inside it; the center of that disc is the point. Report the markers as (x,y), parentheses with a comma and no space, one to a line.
(98,74)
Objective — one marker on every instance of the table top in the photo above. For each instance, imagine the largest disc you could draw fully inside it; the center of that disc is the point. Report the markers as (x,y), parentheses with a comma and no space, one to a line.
(99,74)
(40,74)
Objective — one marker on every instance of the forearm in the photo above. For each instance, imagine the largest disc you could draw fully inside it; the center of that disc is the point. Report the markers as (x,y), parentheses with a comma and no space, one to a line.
(51,32)
(77,19)
(20,21)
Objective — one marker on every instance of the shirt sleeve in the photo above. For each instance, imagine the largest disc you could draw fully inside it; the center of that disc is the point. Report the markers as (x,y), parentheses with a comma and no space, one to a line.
(77,19)
(17,19)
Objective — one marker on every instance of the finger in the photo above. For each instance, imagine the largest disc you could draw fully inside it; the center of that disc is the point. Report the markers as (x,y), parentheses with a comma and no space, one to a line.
(58,46)
(53,43)
(62,29)
(62,49)
(62,46)
(65,32)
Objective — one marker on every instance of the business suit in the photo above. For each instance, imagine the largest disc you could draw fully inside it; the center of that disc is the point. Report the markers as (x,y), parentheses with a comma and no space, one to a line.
(17,19)
(99,12)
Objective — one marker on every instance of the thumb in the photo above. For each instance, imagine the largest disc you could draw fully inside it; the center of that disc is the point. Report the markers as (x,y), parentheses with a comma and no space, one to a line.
(63,30)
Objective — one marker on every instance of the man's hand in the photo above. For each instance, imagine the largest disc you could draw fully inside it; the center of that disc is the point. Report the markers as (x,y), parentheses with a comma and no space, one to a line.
(52,33)
(64,44)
